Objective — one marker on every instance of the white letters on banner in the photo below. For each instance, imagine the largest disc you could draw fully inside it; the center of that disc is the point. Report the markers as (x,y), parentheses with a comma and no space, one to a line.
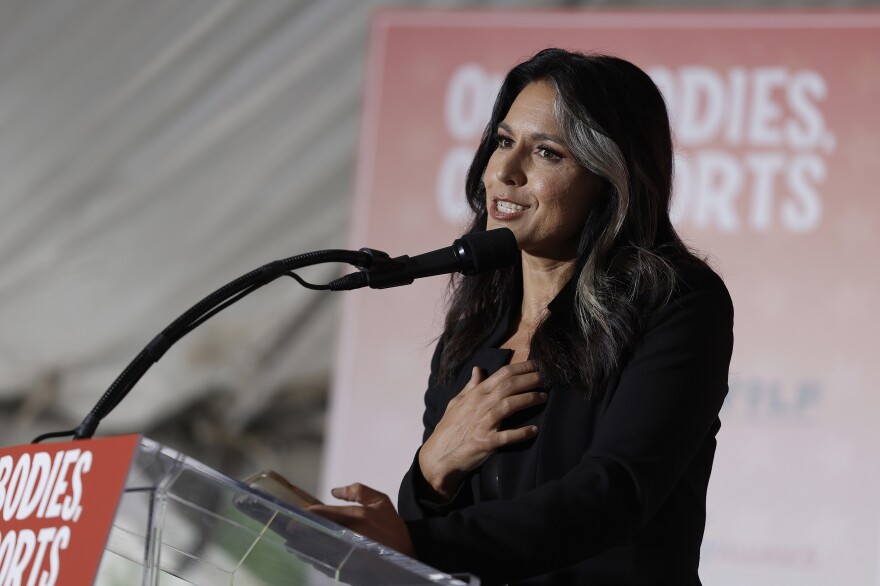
(752,144)
(770,121)
(467,109)
(40,487)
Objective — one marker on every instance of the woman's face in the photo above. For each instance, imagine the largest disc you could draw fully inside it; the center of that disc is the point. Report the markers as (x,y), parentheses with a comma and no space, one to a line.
(534,185)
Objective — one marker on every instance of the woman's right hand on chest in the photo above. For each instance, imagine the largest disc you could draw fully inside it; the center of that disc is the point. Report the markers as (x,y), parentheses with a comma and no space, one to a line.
(469,431)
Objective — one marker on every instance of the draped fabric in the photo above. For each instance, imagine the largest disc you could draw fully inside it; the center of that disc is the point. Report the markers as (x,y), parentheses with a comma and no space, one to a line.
(149,153)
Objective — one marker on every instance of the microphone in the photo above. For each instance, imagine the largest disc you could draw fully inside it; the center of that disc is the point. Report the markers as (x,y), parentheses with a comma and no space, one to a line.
(469,255)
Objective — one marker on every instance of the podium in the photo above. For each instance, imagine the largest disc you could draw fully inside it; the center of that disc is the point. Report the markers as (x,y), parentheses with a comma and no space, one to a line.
(180,522)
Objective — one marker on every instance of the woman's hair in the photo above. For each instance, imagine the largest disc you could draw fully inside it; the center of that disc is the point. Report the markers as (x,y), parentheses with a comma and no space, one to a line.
(614,122)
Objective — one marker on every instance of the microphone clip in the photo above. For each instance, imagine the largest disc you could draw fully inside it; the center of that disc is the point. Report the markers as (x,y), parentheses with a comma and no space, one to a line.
(377,259)
(375,273)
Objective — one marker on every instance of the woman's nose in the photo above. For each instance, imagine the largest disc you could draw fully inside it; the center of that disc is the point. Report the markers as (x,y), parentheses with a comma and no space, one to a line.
(510,170)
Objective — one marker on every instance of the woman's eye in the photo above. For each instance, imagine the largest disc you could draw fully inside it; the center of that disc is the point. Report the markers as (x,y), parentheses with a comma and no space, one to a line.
(503,142)
(547,153)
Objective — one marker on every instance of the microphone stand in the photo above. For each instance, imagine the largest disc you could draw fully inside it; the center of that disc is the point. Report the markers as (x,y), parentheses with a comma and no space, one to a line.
(204,310)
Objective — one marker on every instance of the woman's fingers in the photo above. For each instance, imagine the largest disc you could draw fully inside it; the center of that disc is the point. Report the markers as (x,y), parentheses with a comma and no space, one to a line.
(512,436)
(513,403)
(376,516)
(476,378)
(507,380)
(515,369)
(361,494)
(345,516)
(512,379)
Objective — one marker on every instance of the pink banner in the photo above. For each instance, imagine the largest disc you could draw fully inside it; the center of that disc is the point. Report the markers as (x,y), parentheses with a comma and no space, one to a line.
(777,142)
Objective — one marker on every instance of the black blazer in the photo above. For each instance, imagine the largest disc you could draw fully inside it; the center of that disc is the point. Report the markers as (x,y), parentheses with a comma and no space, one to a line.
(613,489)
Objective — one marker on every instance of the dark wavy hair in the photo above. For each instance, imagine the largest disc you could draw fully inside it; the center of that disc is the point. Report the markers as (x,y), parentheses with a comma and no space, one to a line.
(614,121)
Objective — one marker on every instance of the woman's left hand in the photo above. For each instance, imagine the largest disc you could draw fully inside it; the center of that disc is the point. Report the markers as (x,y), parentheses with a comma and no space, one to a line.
(374,516)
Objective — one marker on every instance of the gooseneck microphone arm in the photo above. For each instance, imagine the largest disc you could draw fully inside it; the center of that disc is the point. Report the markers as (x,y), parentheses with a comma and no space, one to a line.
(198,314)
(469,255)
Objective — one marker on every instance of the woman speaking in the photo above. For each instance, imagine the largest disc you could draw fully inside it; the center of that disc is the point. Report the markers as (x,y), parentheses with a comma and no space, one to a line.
(572,408)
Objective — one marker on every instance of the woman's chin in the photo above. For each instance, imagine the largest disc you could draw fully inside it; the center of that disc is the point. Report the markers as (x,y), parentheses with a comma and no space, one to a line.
(493,224)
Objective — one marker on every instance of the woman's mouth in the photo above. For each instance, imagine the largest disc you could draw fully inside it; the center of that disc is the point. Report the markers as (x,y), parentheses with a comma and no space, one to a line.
(508,207)
(503,209)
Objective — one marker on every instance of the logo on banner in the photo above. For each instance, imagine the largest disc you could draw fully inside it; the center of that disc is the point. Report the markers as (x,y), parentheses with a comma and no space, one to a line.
(752,144)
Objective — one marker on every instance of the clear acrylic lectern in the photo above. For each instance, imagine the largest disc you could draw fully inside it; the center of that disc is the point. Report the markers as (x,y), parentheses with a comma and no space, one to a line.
(180,522)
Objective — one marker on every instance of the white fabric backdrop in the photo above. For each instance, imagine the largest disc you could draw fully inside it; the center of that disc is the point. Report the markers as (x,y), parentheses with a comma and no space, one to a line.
(149,153)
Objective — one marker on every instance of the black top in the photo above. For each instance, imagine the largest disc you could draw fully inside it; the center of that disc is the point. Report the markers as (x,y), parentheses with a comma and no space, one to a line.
(613,489)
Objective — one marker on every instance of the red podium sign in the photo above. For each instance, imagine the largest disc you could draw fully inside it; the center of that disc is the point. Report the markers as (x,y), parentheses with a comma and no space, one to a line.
(57,502)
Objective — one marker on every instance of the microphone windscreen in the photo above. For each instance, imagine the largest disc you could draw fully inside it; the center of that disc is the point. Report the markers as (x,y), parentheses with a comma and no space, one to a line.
(492,249)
